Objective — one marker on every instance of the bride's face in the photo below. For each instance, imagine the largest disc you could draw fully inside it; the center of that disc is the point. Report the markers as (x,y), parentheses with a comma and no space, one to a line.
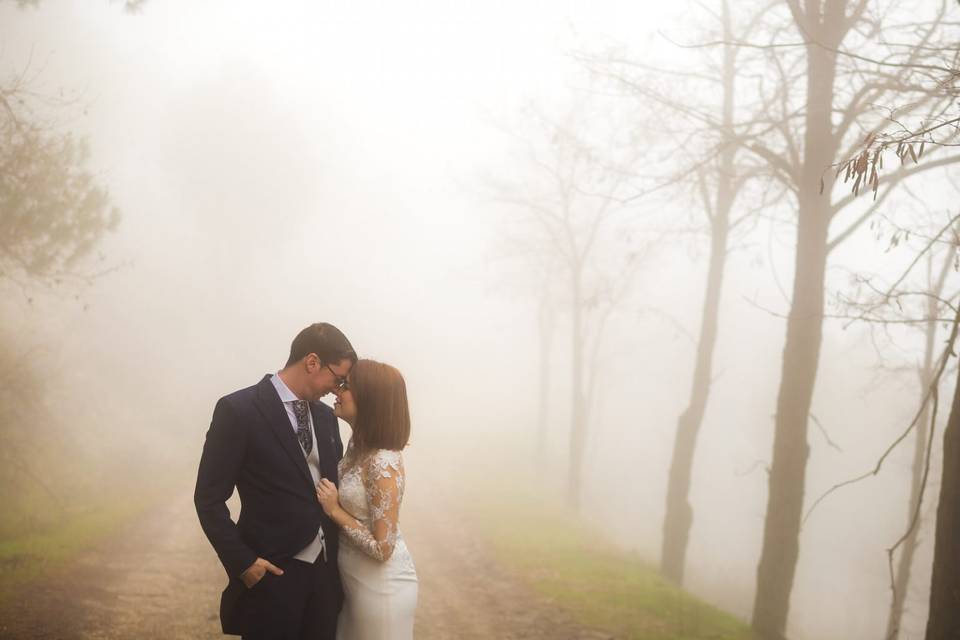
(345,408)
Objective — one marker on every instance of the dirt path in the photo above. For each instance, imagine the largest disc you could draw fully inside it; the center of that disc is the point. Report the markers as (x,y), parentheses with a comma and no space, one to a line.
(464,593)
(159,578)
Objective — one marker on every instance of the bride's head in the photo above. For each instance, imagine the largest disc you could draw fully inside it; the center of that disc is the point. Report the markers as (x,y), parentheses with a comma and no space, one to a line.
(374,403)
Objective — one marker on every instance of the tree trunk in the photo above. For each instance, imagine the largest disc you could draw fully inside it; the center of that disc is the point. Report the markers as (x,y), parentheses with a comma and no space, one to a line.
(905,564)
(546,326)
(944,620)
(801,353)
(679,513)
(578,429)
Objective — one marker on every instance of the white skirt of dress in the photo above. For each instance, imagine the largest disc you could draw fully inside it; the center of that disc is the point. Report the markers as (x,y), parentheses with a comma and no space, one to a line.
(380,598)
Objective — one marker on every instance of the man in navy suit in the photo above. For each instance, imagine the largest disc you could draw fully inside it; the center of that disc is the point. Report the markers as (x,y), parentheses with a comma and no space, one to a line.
(274,441)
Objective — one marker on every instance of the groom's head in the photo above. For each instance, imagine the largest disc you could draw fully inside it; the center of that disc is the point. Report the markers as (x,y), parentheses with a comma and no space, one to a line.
(320,359)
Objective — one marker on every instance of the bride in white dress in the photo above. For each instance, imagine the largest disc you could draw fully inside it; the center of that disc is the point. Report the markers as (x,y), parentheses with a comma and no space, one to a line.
(379,579)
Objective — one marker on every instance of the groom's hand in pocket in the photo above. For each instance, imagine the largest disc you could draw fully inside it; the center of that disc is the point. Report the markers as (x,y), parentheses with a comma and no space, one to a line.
(255,572)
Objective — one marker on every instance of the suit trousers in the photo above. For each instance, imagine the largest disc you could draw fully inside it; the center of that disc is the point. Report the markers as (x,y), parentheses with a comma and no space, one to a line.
(301,604)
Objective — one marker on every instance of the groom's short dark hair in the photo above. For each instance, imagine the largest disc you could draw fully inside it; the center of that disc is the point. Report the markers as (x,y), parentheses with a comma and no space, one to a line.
(323,339)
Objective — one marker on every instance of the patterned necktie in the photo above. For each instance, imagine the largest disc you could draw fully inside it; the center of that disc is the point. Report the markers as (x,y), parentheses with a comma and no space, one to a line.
(300,409)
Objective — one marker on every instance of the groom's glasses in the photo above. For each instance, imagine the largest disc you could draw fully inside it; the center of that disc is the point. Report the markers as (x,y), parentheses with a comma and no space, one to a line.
(341,381)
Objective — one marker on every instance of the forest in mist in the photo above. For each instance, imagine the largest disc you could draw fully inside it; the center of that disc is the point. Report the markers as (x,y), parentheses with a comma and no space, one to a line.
(689,270)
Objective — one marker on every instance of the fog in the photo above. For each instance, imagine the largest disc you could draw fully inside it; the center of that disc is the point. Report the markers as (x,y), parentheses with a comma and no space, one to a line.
(278,165)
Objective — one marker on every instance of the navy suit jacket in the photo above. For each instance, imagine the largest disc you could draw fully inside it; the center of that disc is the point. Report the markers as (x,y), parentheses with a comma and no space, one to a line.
(252,446)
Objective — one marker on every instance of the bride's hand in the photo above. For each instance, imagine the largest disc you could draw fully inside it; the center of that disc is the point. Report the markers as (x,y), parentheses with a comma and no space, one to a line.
(327,496)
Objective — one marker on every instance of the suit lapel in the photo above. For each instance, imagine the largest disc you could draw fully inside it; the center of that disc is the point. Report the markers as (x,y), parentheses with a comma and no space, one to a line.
(269,404)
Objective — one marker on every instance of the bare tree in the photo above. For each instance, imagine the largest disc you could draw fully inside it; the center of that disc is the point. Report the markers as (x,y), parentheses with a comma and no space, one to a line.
(940,67)
(546,327)
(890,309)
(933,304)
(890,305)
(943,622)
(697,103)
(822,107)
(567,204)
(936,278)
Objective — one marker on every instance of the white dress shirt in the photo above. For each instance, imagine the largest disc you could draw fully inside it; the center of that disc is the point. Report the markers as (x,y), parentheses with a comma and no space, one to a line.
(312,551)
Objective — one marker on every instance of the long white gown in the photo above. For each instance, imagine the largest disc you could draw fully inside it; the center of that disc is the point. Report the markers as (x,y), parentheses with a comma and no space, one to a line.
(379,579)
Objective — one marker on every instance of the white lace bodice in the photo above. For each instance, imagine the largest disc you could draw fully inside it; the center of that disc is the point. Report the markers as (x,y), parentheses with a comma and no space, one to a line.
(371,490)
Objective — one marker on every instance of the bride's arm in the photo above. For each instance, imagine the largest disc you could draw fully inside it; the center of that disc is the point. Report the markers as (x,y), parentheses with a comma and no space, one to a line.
(383,482)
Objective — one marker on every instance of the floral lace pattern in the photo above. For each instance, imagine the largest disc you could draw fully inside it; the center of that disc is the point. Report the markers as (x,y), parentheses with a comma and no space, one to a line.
(371,491)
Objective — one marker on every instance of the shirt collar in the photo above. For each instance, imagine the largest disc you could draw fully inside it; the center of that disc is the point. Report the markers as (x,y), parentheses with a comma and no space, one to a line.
(282,389)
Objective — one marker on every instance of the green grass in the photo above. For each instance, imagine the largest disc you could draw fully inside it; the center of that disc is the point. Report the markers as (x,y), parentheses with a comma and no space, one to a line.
(27,557)
(600,586)
(38,538)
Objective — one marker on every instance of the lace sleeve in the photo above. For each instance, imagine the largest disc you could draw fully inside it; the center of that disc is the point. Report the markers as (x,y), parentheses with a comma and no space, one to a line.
(383,479)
